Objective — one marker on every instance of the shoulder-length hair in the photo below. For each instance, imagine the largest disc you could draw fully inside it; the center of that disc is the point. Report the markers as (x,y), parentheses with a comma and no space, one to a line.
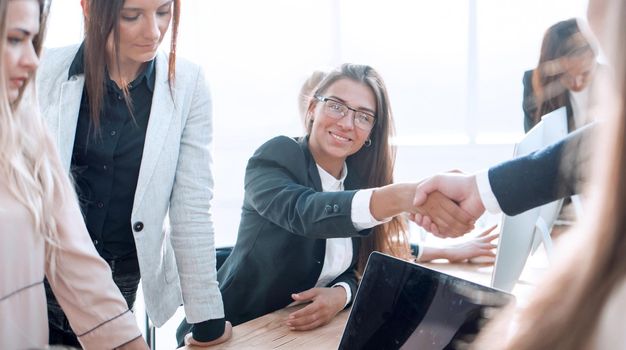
(375,162)
(563,39)
(102,20)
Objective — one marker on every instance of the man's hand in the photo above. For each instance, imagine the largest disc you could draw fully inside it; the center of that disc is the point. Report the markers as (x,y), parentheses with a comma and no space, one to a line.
(445,214)
(460,188)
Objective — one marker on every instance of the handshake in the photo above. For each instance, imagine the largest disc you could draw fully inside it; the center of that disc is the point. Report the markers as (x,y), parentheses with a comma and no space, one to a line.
(448,204)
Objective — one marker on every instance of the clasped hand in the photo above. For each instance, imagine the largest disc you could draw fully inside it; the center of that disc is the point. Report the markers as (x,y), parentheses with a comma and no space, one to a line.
(448,203)
(442,216)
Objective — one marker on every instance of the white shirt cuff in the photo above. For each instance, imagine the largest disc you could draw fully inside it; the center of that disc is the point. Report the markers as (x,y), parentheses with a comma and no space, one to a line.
(348,292)
(486,193)
(361,216)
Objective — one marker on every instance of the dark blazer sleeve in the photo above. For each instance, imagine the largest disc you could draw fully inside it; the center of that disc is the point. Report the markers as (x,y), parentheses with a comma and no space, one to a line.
(529,104)
(274,188)
(542,176)
(348,277)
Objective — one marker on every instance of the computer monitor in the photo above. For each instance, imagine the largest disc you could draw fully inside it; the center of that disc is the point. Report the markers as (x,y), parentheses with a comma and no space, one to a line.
(521,233)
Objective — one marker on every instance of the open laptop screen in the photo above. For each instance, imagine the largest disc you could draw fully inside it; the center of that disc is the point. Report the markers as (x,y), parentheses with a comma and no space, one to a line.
(400,305)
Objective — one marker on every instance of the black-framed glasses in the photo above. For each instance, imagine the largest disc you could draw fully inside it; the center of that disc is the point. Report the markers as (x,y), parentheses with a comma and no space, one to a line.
(337,110)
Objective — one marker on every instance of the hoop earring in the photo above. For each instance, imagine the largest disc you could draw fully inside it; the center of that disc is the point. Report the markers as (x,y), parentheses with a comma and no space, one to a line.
(368,143)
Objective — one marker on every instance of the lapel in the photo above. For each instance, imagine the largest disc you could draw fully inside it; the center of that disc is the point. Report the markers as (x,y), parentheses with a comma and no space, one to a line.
(161,115)
(313,173)
(67,117)
(356,243)
(351,183)
(571,125)
(314,177)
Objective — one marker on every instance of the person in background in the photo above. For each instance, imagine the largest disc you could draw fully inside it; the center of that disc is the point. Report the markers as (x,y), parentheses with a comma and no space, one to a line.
(41,229)
(134,128)
(566,70)
(304,98)
(591,313)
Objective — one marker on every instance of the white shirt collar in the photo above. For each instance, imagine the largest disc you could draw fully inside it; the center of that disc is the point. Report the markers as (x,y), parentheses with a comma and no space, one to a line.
(329,182)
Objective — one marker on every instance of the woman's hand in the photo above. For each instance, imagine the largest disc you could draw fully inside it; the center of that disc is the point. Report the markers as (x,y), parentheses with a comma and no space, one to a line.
(228,333)
(447,215)
(481,246)
(325,304)
(435,210)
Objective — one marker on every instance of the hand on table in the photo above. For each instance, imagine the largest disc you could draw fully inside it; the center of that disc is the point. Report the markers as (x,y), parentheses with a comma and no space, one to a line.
(325,304)
(228,333)
(481,246)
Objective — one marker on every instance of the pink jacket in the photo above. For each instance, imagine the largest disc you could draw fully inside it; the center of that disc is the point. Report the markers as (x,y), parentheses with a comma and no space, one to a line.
(80,279)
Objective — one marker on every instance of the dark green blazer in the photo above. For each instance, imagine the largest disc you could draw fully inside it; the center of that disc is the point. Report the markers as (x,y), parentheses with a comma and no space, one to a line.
(285,221)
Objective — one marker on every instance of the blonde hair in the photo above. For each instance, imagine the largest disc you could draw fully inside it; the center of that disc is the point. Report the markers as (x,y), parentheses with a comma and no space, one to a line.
(306,93)
(565,312)
(29,164)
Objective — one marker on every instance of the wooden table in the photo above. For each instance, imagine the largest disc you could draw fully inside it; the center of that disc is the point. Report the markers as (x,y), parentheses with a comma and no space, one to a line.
(269,331)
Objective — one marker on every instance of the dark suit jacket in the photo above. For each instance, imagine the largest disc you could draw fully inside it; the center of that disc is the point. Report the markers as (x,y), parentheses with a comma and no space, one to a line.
(285,221)
(542,176)
(529,104)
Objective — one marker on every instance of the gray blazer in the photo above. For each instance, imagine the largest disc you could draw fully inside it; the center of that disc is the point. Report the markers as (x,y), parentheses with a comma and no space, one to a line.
(177,256)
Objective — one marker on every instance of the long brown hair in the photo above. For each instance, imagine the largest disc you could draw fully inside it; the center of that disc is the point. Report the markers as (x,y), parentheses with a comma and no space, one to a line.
(102,20)
(563,39)
(564,313)
(376,161)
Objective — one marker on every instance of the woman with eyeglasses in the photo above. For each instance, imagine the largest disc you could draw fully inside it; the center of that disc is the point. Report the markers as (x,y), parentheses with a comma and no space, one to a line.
(315,207)
(134,127)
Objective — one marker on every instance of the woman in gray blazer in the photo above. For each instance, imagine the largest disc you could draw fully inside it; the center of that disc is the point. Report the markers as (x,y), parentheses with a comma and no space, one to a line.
(134,128)
(316,207)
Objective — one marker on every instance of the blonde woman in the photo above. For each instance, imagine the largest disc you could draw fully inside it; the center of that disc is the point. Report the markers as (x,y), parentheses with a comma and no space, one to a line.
(41,231)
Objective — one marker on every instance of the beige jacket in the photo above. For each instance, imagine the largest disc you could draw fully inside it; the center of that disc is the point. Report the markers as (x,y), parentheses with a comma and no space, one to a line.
(611,331)
(81,281)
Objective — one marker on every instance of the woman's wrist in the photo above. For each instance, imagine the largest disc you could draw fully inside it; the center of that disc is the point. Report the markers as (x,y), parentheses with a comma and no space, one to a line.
(209,330)
(392,200)
(432,253)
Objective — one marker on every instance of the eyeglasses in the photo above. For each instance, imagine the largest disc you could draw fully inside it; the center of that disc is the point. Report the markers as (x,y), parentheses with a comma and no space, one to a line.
(337,110)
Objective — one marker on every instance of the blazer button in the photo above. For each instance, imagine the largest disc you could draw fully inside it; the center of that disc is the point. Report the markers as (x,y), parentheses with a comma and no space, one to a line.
(138,226)
(335,208)
(328,208)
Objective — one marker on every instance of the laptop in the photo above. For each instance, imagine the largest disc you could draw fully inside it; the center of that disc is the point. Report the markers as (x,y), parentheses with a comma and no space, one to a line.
(401,305)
